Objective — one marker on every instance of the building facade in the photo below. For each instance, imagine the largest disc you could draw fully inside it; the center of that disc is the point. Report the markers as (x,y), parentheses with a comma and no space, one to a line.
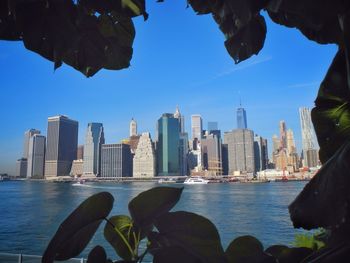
(21,167)
(240,143)
(197,126)
(211,154)
(116,160)
(144,161)
(27,135)
(168,145)
(260,153)
(61,148)
(241,118)
(308,136)
(36,156)
(94,139)
(133,128)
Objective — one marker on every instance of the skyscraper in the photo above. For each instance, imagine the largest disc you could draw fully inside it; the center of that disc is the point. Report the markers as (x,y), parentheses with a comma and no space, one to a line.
(260,153)
(212,126)
(36,156)
(144,162)
(307,135)
(116,160)
(291,148)
(61,149)
(197,126)
(133,128)
(211,154)
(240,150)
(283,134)
(241,118)
(168,145)
(275,143)
(181,119)
(27,135)
(94,139)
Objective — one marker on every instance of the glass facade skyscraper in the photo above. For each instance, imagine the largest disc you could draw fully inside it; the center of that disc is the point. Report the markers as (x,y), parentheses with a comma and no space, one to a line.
(92,149)
(61,148)
(241,118)
(36,156)
(116,160)
(168,146)
(197,126)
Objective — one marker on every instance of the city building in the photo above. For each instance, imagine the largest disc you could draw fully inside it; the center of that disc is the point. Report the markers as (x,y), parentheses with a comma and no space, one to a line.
(283,134)
(197,126)
(211,154)
(275,143)
(312,157)
(212,126)
(21,167)
(260,153)
(94,139)
(77,169)
(80,152)
(61,148)
(224,157)
(27,135)
(144,161)
(241,118)
(116,160)
(36,156)
(168,145)
(240,143)
(308,136)
(133,128)
(181,119)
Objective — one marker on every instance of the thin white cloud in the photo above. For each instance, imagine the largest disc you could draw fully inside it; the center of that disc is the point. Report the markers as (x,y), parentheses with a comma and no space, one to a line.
(304,85)
(231,70)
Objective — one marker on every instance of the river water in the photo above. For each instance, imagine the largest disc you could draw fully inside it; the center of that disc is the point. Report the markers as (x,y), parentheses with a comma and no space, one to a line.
(30,211)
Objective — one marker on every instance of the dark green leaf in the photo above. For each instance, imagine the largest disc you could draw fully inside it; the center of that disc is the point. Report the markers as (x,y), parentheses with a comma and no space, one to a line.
(151,204)
(331,116)
(324,200)
(192,232)
(97,255)
(289,255)
(78,228)
(247,249)
(248,41)
(119,232)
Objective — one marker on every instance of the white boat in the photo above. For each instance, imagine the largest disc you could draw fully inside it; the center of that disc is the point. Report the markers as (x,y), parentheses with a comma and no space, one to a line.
(196,180)
(166,181)
(79,183)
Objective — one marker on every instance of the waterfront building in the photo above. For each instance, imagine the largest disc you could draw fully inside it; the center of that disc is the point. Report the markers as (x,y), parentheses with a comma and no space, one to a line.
(181,119)
(116,160)
(27,135)
(291,148)
(241,118)
(21,167)
(133,128)
(36,156)
(275,143)
(260,153)
(312,157)
(240,143)
(308,136)
(61,148)
(224,157)
(94,139)
(168,145)
(211,154)
(283,134)
(77,169)
(80,152)
(144,161)
(197,126)
(272,175)
(183,151)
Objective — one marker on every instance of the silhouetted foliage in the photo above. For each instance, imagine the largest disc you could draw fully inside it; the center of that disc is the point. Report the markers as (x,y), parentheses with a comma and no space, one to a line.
(93,34)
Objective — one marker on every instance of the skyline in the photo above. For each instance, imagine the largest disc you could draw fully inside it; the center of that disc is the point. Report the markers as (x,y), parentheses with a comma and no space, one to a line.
(188,67)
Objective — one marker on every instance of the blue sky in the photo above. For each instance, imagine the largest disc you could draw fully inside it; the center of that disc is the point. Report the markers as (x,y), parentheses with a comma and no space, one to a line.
(179,59)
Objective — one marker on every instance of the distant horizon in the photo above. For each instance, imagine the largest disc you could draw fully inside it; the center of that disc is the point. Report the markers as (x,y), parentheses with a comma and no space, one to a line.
(179,59)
